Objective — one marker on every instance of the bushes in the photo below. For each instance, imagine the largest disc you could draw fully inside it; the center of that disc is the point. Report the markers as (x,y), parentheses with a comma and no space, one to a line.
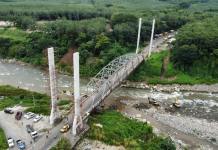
(119,130)
(3,140)
(24,22)
(160,144)
(63,144)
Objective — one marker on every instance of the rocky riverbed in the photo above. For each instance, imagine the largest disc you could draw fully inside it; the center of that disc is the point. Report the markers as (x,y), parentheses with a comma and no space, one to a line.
(173,87)
(193,125)
(198,127)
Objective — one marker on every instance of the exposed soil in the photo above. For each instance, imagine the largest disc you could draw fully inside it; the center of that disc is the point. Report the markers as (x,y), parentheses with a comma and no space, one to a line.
(68,57)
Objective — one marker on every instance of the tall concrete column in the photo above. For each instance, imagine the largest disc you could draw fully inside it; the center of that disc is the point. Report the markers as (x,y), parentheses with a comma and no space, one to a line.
(152,37)
(53,86)
(77,116)
(139,34)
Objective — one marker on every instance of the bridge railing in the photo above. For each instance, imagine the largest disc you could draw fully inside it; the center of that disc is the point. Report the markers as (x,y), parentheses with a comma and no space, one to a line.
(108,79)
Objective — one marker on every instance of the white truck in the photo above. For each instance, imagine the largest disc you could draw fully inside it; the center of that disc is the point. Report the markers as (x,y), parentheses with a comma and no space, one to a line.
(10,142)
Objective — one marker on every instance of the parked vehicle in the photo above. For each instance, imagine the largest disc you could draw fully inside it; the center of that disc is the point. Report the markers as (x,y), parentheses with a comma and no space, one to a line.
(37,118)
(18,115)
(10,142)
(31,131)
(34,134)
(29,115)
(21,144)
(8,111)
(65,128)
(29,128)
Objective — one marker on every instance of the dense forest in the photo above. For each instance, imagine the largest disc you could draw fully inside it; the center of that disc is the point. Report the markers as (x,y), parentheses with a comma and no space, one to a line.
(99,30)
(196,48)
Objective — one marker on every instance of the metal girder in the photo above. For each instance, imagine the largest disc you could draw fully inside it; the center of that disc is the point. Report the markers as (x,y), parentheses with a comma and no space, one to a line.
(109,70)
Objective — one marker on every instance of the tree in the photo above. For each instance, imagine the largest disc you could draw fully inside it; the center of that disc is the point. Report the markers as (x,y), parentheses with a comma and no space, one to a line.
(125,33)
(185,5)
(24,22)
(114,51)
(195,48)
(102,42)
(123,18)
(5,45)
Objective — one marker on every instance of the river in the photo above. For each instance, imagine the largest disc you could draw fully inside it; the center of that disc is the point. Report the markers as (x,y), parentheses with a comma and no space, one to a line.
(200,106)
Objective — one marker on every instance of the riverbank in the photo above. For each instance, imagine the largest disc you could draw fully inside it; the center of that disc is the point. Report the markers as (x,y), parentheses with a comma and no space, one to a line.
(112,128)
(213,88)
(160,69)
(187,131)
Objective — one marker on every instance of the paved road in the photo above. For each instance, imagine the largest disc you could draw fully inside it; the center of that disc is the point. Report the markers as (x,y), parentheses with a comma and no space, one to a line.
(46,142)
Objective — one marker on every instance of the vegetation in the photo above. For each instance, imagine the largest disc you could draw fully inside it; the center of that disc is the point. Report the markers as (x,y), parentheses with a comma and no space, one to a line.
(151,71)
(63,144)
(3,140)
(100,30)
(119,130)
(35,102)
(196,48)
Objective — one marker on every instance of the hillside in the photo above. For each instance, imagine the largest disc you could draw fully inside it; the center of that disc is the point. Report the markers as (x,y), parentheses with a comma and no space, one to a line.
(99,29)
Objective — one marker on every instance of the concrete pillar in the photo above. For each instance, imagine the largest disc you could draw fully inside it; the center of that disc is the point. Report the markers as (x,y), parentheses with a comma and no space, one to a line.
(139,34)
(53,86)
(152,37)
(77,116)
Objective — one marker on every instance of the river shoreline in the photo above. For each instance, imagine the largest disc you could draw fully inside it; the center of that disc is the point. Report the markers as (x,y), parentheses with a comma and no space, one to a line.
(213,88)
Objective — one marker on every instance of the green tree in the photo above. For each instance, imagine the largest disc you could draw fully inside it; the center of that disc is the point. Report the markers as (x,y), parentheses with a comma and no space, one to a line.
(102,42)
(123,18)
(25,22)
(195,48)
(125,33)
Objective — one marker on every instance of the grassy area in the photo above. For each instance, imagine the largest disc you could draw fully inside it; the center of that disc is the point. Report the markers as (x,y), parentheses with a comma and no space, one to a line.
(150,72)
(13,34)
(14,96)
(3,140)
(63,144)
(119,130)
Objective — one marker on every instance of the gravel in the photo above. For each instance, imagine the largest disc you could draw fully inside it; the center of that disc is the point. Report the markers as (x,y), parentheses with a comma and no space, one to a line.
(199,127)
(173,87)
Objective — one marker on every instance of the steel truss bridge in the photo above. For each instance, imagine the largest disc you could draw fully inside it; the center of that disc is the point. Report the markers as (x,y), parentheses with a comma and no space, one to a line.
(110,77)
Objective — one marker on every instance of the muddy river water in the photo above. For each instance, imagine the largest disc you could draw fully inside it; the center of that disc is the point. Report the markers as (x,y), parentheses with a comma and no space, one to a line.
(200,106)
